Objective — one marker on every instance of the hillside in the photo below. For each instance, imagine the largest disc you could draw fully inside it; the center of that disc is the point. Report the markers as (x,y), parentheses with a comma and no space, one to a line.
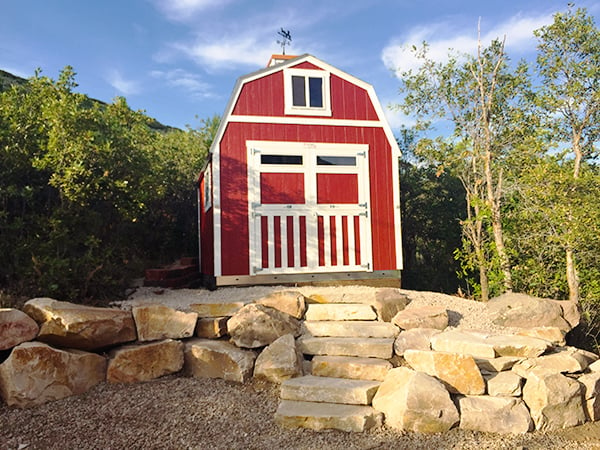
(8,79)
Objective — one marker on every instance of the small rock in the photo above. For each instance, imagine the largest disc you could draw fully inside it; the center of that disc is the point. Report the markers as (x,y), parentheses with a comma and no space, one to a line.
(256,326)
(494,414)
(414,339)
(458,372)
(205,358)
(504,384)
(423,317)
(211,327)
(156,322)
(591,395)
(388,303)
(279,361)
(289,302)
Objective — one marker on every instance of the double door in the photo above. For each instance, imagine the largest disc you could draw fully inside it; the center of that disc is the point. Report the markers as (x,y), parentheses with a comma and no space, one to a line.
(308,207)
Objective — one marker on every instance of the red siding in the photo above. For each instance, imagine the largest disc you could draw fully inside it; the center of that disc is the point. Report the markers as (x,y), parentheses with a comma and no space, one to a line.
(265,97)
(234,186)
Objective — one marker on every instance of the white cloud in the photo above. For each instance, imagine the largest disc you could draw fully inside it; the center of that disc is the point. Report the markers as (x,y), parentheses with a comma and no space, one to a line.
(125,87)
(189,82)
(441,37)
(182,10)
(248,50)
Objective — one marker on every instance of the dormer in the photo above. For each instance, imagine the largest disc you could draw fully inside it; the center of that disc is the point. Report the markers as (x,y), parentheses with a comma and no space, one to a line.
(307,92)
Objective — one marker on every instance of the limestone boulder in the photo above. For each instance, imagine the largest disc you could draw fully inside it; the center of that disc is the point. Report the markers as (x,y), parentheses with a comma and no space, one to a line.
(16,327)
(504,384)
(279,361)
(494,414)
(595,366)
(257,326)
(350,328)
(156,322)
(422,317)
(389,302)
(415,401)
(570,311)
(143,362)
(554,335)
(524,311)
(289,302)
(340,311)
(465,342)
(211,327)
(69,325)
(226,309)
(567,360)
(458,372)
(519,346)
(205,358)
(414,339)
(350,367)
(554,400)
(591,395)
(36,373)
(325,416)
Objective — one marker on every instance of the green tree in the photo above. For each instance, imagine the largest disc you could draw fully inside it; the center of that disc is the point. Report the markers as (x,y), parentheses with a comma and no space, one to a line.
(90,192)
(485,100)
(569,66)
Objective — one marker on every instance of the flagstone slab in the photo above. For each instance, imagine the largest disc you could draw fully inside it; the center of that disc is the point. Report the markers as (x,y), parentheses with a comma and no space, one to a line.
(345,346)
(327,416)
(329,390)
(350,367)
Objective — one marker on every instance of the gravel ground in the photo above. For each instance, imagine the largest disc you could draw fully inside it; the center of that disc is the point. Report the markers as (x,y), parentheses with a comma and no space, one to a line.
(185,413)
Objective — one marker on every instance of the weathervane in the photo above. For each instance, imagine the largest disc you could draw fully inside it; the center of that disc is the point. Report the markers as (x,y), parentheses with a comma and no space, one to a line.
(287,39)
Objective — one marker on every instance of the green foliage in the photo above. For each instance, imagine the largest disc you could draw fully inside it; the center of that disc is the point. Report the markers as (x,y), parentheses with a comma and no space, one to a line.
(431,203)
(90,191)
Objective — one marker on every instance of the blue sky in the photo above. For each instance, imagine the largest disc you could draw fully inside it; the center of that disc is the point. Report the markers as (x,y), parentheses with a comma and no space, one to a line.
(178,59)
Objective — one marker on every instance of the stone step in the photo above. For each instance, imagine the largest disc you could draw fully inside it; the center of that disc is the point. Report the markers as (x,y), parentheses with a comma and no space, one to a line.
(329,390)
(355,328)
(346,346)
(340,311)
(350,367)
(325,416)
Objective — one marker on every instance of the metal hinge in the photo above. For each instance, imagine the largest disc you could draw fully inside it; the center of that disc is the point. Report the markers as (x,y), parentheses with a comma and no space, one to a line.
(366,266)
(254,151)
(361,154)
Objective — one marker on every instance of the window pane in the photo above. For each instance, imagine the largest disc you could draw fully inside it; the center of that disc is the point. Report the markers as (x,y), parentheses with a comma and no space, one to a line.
(281,159)
(315,88)
(336,160)
(298,91)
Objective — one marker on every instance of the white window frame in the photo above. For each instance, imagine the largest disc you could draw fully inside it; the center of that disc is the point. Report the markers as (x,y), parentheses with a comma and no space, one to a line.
(325,110)
(208,188)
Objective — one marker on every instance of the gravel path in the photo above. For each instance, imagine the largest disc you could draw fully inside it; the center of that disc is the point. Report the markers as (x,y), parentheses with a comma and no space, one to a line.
(185,413)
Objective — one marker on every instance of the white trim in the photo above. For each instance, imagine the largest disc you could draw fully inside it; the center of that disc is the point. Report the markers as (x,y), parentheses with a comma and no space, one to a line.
(198,210)
(291,120)
(208,188)
(216,179)
(307,110)
(397,210)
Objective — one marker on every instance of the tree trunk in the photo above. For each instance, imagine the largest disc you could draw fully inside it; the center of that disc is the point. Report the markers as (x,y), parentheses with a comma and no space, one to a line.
(572,276)
(485,284)
(493,199)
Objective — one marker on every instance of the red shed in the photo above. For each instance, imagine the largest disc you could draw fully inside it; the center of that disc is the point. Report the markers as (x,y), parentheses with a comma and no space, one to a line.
(301,182)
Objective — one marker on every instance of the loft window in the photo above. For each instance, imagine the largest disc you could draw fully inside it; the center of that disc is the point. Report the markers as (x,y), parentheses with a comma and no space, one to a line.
(307,92)
(336,160)
(295,160)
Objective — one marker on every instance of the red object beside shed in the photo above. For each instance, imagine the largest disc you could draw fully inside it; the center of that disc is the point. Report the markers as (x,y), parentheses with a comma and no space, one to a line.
(302,181)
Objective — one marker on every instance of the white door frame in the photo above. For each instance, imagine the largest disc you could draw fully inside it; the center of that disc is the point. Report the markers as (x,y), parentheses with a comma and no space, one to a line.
(310,209)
